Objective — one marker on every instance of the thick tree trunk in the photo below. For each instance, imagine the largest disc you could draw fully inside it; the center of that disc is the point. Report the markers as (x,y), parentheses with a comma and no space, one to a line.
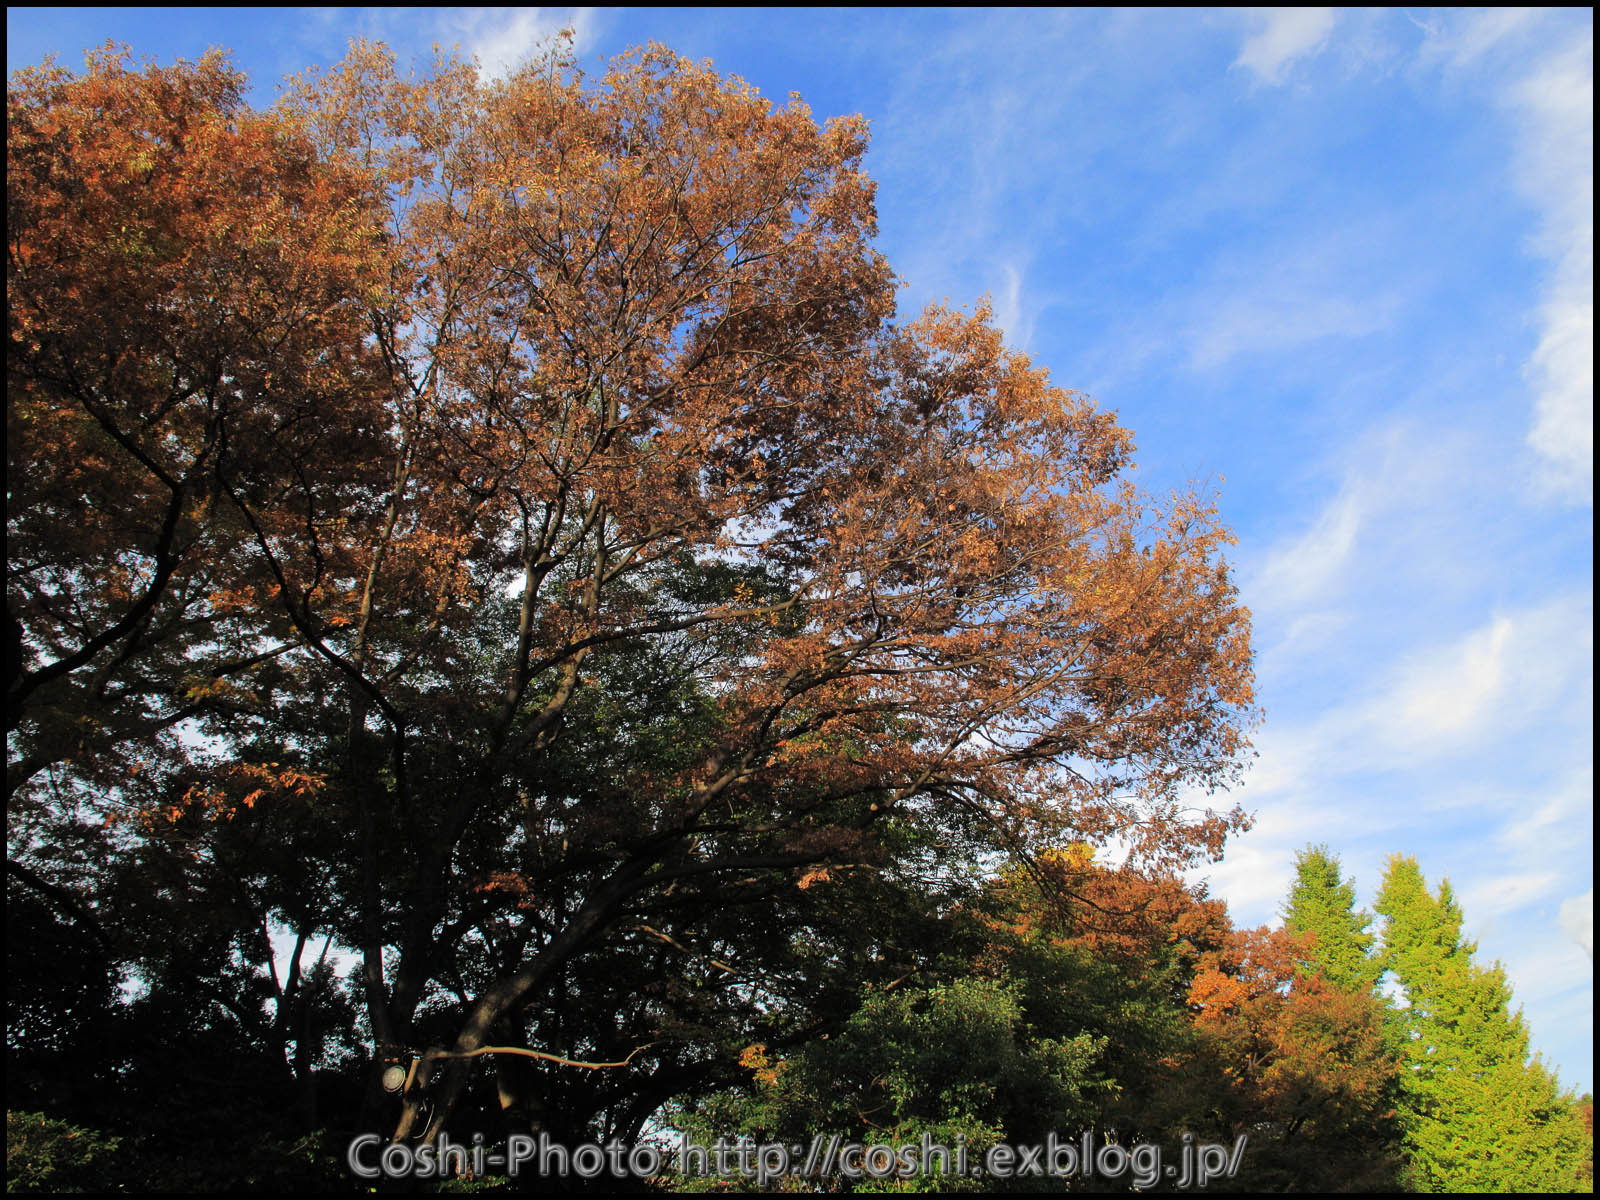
(446,1077)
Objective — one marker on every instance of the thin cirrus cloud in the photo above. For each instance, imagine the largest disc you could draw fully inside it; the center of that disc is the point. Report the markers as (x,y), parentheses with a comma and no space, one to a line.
(1463,696)
(1304,570)
(1302,277)
(1283,36)
(1012,311)
(1541,75)
(1275,322)
(1555,170)
(1539,851)
(502,39)
(499,38)
(1403,520)
(1577,921)
(1550,838)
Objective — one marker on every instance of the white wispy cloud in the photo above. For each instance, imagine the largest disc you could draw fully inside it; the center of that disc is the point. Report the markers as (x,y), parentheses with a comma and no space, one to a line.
(961,132)
(1283,317)
(1555,170)
(1254,878)
(502,39)
(1450,692)
(1529,835)
(1550,976)
(1506,893)
(1539,68)
(1286,291)
(1423,668)
(1577,920)
(1400,515)
(1011,313)
(1258,870)
(1471,692)
(1463,38)
(1509,896)
(1281,37)
(1302,570)
(1434,707)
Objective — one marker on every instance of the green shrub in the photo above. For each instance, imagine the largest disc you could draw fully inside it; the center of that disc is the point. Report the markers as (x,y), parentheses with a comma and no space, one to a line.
(46,1155)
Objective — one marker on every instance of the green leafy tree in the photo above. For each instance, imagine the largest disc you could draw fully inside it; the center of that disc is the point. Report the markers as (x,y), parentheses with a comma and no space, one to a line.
(957,1063)
(46,1155)
(1478,1113)
(1322,904)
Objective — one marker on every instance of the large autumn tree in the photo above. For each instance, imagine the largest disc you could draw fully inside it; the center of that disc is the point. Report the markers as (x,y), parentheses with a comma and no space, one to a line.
(522,500)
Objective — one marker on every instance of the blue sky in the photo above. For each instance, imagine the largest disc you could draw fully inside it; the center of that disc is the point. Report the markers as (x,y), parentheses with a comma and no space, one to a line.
(1338,264)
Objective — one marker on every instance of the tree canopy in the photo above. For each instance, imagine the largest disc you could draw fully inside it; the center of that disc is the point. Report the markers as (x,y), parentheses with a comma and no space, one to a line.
(1480,1115)
(1322,906)
(372,447)
(510,629)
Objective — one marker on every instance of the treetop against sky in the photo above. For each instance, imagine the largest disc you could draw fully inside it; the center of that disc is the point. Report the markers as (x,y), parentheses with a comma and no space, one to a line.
(1336,265)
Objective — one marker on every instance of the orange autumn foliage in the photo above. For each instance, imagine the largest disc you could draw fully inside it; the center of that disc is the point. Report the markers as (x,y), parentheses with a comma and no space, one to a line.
(1295,1051)
(380,423)
(185,284)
